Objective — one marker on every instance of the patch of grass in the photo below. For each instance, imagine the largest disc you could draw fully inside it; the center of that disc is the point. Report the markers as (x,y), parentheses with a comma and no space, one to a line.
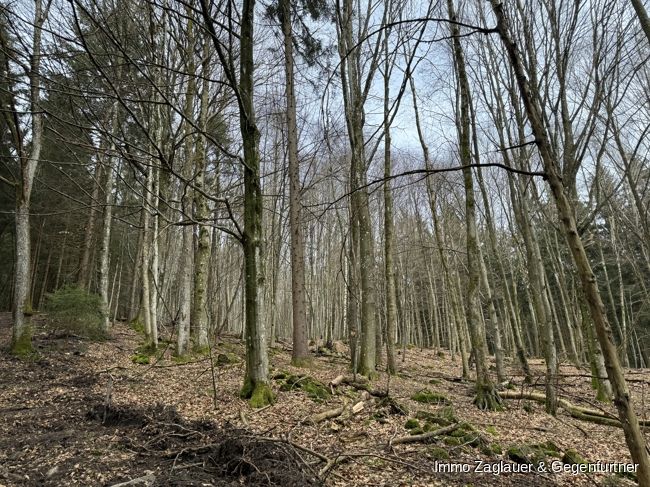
(137,325)
(140,358)
(438,453)
(452,441)
(426,396)
(491,430)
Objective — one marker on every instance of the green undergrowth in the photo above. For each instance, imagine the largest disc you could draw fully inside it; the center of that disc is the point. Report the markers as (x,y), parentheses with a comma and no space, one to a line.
(145,352)
(536,453)
(315,390)
(464,436)
(75,311)
(427,396)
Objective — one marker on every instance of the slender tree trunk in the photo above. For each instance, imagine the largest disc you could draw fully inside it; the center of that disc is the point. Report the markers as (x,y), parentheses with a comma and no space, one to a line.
(300,353)
(256,383)
(21,332)
(201,212)
(105,243)
(187,230)
(83,278)
(486,394)
(389,233)
(627,415)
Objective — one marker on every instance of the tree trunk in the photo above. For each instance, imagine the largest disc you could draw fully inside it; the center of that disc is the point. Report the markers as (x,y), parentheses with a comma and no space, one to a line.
(389,237)
(256,383)
(300,354)
(201,214)
(21,332)
(104,250)
(627,415)
(83,278)
(486,394)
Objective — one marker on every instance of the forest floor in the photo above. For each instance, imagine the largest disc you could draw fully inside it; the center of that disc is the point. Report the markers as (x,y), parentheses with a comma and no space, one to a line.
(85,413)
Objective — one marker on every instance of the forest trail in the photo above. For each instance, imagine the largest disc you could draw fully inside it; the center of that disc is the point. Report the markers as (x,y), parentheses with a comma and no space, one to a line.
(84,413)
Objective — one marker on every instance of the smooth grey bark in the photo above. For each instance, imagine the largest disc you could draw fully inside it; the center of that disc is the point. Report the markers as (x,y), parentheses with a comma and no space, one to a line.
(187,229)
(105,243)
(300,354)
(354,97)
(201,214)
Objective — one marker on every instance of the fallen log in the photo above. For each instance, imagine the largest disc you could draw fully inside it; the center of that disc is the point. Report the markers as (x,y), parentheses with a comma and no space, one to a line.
(329,414)
(578,412)
(424,436)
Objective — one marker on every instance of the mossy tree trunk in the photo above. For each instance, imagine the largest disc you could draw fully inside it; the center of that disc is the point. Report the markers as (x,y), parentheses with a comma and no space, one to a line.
(256,382)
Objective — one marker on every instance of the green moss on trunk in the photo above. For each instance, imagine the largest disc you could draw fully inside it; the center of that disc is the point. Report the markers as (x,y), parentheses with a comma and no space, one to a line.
(21,345)
(302,362)
(259,394)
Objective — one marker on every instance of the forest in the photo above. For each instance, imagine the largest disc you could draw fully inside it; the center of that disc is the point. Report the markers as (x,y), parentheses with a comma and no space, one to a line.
(324,242)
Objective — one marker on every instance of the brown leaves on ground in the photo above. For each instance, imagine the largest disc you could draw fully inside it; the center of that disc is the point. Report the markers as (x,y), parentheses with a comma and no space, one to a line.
(84,413)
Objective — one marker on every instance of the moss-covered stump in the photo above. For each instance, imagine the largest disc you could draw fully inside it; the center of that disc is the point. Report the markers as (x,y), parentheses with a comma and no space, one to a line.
(21,346)
(487,398)
(411,424)
(302,362)
(226,359)
(316,390)
(443,417)
(259,393)
(427,396)
(534,453)
(572,457)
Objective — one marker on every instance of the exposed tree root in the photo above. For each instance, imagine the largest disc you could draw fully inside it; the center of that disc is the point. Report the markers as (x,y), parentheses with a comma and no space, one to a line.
(487,398)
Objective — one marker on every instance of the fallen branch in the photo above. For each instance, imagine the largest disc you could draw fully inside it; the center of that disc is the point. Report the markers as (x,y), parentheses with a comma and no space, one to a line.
(329,414)
(578,412)
(362,385)
(424,436)
(146,481)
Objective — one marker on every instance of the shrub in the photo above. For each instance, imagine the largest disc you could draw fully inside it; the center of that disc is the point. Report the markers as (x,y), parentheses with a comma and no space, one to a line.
(77,312)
